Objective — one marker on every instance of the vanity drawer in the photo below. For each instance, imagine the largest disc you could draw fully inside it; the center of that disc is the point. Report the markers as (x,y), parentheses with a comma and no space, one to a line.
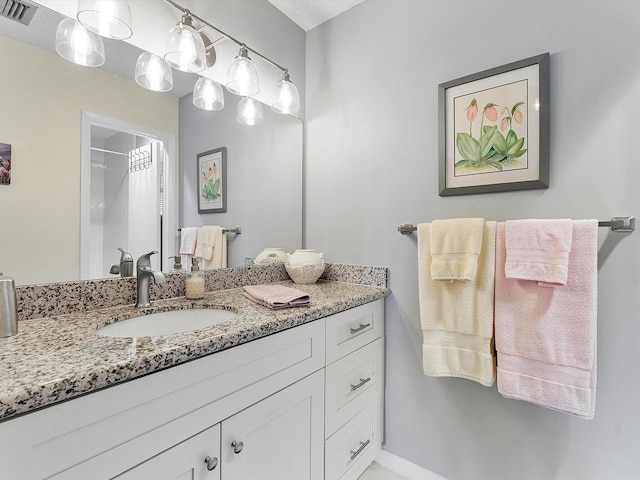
(349,330)
(352,448)
(352,383)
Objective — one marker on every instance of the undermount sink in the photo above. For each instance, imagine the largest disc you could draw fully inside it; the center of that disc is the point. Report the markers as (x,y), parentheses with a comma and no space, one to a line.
(166,323)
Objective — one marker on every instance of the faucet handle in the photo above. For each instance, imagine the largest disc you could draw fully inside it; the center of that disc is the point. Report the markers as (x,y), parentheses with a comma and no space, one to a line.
(145,260)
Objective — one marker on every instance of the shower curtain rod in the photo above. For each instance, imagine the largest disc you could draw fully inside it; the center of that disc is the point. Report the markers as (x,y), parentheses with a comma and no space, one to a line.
(109,151)
(617,224)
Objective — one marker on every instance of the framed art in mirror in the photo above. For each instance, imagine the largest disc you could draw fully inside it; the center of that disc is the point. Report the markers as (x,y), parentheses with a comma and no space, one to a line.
(212,181)
(494,129)
(5,164)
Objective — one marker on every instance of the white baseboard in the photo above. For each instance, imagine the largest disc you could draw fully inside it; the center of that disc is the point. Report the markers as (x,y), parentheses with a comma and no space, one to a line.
(405,468)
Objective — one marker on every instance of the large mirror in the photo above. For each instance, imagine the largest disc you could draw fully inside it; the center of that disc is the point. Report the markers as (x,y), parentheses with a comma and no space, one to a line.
(46,102)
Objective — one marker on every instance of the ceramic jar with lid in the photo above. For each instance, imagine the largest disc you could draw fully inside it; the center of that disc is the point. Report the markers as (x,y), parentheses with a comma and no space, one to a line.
(269,256)
(305,266)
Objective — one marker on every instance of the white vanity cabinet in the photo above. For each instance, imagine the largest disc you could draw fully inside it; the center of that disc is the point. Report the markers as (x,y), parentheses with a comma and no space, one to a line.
(354,392)
(301,404)
(274,439)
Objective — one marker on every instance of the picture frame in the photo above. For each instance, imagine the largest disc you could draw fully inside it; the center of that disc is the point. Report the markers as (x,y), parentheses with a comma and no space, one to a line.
(5,164)
(494,129)
(212,181)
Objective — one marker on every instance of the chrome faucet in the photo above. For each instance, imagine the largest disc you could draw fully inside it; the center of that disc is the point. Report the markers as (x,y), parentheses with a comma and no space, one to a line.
(143,274)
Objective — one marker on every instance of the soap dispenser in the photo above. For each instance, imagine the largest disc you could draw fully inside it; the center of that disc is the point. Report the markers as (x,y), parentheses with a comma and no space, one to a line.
(177,262)
(194,282)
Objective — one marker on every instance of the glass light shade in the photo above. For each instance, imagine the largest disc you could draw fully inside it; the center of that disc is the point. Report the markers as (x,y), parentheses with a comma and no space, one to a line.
(288,97)
(208,95)
(250,112)
(109,18)
(185,49)
(242,76)
(79,45)
(153,73)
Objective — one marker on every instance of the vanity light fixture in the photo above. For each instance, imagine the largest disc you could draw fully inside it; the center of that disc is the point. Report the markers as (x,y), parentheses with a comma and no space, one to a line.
(242,75)
(250,112)
(208,95)
(185,49)
(74,42)
(108,18)
(288,97)
(153,73)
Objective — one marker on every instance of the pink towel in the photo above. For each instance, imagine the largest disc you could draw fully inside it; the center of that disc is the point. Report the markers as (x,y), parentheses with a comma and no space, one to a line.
(546,337)
(538,250)
(276,296)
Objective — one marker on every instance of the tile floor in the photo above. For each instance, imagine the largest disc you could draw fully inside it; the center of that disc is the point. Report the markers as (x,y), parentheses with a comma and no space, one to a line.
(376,472)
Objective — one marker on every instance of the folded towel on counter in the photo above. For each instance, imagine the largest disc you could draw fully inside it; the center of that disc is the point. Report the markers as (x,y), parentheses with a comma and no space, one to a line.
(546,337)
(211,246)
(538,250)
(188,238)
(276,296)
(457,317)
(455,246)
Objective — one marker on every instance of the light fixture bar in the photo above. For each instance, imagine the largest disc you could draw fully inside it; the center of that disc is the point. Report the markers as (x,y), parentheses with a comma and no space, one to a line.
(238,42)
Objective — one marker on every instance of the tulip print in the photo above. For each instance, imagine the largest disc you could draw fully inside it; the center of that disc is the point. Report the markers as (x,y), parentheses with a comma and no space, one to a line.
(492,149)
(210,183)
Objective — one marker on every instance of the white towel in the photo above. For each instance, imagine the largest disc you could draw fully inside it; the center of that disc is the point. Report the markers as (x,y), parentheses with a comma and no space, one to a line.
(457,317)
(546,337)
(211,246)
(188,238)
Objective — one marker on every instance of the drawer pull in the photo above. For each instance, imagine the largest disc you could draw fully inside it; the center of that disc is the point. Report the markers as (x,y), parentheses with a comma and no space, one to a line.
(361,327)
(212,463)
(362,382)
(363,445)
(237,446)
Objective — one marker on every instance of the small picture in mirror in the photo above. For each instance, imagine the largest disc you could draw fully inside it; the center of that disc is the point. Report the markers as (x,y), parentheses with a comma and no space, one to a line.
(212,181)
(5,164)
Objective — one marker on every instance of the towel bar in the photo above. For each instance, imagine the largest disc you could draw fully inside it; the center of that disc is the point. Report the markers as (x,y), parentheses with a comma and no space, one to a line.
(236,230)
(617,224)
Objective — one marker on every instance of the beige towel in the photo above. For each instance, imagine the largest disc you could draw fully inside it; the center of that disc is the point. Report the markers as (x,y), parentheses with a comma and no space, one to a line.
(455,246)
(457,317)
(211,246)
(276,296)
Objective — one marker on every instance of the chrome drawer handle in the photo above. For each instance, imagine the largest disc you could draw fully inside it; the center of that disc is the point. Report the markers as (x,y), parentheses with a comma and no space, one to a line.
(362,382)
(361,327)
(237,446)
(363,445)
(212,463)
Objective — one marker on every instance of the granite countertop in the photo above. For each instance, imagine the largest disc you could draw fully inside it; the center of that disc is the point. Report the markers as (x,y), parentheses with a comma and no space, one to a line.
(61,357)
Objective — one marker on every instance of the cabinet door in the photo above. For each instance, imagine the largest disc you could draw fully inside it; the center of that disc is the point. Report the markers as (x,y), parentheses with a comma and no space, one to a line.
(278,438)
(197,458)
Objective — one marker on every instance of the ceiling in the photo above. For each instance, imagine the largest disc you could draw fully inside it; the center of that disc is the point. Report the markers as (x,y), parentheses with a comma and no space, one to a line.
(311,13)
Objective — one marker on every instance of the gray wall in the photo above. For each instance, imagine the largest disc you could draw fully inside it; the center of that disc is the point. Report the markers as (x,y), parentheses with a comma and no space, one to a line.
(372,77)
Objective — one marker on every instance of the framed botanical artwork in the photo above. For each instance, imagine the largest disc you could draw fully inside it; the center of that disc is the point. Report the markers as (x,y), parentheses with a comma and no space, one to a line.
(212,181)
(5,164)
(494,129)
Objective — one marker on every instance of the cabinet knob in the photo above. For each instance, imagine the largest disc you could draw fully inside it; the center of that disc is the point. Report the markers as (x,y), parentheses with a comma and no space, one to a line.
(237,446)
(211,463)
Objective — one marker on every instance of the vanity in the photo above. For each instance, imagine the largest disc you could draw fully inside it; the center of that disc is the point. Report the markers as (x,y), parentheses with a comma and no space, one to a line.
(288,394)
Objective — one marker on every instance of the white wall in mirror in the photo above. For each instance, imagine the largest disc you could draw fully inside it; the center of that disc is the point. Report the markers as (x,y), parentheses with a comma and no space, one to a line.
(41,207)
